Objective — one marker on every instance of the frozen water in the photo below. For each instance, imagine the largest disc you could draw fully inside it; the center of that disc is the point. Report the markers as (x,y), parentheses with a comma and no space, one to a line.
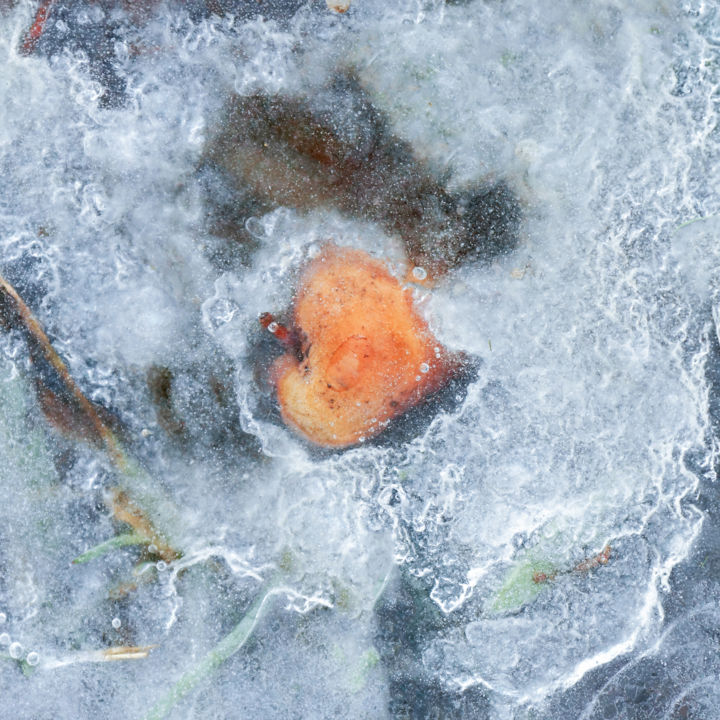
(515,555)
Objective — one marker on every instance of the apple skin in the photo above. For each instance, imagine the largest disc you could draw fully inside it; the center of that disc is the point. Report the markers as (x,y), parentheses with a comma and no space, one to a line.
(368,355)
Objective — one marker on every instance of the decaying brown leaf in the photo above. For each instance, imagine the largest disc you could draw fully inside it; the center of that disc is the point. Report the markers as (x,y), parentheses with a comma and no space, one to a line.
(367,355)
(64,404)
(69,411)
(160,381)
(337,150)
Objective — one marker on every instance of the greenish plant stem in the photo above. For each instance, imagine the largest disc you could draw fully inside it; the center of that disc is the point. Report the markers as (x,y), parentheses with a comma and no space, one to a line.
(695,220)
(115,542)
(227,647)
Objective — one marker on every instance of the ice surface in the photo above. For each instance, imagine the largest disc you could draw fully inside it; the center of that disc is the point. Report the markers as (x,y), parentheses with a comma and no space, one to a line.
(452,571)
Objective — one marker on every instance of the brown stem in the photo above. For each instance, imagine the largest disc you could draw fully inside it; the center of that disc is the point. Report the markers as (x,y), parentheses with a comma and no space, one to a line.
(602,558)
(291,340)
(79,413)
(125,510)
(68,410)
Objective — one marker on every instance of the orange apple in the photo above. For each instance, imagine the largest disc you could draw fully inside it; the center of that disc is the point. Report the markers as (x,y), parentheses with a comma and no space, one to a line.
(367,355)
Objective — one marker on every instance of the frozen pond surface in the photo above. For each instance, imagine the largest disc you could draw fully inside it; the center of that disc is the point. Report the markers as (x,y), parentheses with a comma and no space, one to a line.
(545,545)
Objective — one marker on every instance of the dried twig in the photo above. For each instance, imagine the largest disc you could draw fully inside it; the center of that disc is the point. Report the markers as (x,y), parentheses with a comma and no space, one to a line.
(602,558)
(125,510)
(69,411)
(112,654)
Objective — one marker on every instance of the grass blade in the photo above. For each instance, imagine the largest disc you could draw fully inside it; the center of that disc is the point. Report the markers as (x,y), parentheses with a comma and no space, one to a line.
(227,647)
(116,542)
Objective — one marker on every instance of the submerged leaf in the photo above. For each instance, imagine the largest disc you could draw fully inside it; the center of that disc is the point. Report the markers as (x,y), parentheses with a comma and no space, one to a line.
(526,579)
(227,647)
(69,411)
(59,396)
(303,154)
(522,584)
(117,542)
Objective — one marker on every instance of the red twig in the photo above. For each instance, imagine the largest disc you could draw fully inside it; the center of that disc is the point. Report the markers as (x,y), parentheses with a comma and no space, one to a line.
(602,558)
(278,330)
(591,563)
(36,30)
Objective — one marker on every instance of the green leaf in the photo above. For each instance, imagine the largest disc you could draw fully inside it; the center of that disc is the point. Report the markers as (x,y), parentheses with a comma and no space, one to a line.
(362,669)
(522,584)
(228,646)
(116,542)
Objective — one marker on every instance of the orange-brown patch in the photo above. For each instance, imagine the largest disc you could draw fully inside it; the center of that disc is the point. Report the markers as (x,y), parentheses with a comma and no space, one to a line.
(369,358)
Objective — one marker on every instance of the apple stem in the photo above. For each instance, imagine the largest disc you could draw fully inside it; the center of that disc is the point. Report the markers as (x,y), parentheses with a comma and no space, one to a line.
(290,339)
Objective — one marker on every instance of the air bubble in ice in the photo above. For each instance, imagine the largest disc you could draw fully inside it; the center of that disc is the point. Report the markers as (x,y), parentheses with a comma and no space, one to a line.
(152,548)
(255,228)
(161,565)
(273,327)
(3,617)
(32,658)
(15,650)
(419,273)
(116,623)
(424,367)
(4,639)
